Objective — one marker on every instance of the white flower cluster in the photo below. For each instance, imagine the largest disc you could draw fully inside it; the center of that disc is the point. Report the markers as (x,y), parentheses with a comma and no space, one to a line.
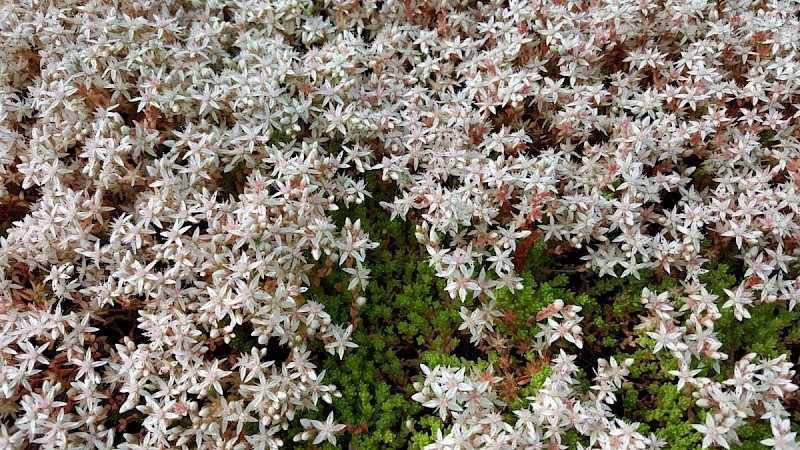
(128,132)
(754,390)
(557,408)
(470,403)
(451,391)
(567,328)
(175,163)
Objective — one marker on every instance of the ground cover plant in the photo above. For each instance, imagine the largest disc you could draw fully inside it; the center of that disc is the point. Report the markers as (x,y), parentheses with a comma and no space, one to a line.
(254,224)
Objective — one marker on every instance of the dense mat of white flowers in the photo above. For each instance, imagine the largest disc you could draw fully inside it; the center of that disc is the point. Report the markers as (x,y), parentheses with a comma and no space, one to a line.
(580,122)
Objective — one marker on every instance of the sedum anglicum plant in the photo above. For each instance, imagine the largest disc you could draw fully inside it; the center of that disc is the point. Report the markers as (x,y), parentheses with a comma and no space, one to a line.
(170,169)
